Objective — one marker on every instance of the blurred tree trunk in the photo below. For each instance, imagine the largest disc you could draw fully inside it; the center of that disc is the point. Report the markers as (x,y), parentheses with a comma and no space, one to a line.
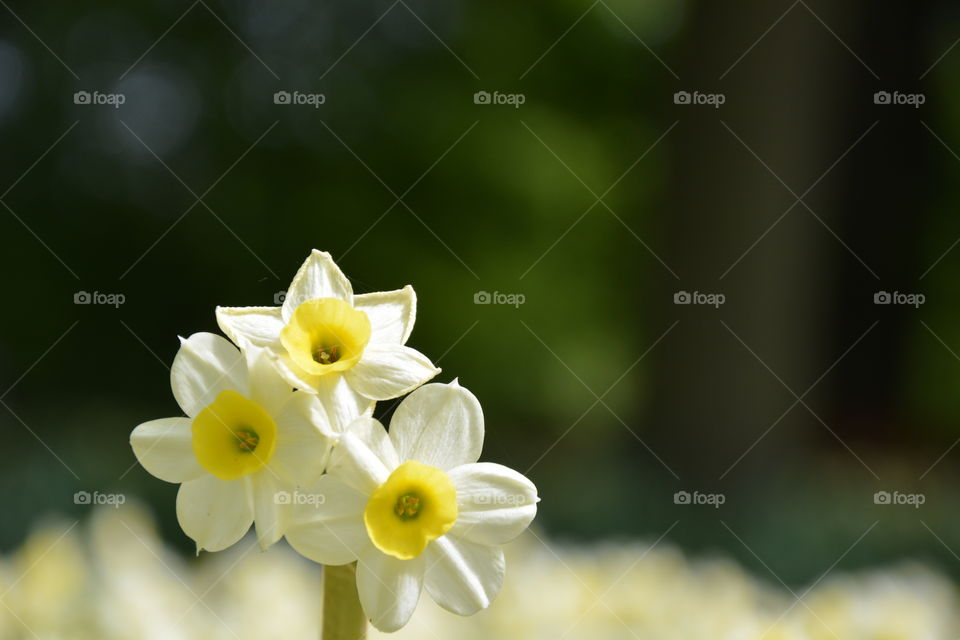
(714,399)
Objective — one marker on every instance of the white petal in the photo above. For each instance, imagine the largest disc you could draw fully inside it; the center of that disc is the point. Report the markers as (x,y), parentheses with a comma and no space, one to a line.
(215,513)
(205,365)
(251,326)
(495,503)
(389,588)
(297,377)
(327,524)
(303,445)
(267,387)
(318,277)
(371,432)
(391,313)
(165,449)
(343,404)
(389,370)
(440,425)
(462,576)
(271,513)
(364,457)
(311,406)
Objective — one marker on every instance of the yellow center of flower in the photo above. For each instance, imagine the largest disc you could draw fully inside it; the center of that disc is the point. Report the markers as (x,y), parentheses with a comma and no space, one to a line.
(417,504)
(325,335)
(233,436)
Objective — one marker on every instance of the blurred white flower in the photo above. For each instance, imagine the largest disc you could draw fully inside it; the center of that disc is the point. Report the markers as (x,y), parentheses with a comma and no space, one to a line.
(416,509)
(348,348)
(249,440)
(141,585)
(115,580)
(905,604)
(47,595)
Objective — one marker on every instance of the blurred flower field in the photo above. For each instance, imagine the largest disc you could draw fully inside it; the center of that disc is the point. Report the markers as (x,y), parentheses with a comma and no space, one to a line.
(112,577)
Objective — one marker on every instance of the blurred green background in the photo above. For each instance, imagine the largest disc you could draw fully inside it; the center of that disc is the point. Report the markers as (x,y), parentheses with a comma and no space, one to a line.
(598,199)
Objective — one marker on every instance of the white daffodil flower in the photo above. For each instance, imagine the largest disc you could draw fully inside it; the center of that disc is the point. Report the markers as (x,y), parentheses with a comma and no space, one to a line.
(249,440)
(416,509)
(350,349)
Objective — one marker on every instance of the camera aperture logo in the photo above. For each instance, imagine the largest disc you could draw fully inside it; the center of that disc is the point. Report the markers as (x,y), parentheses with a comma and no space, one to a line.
(897,98)
(699,98)
(896,498)
(286,497)
(96,498)
(512,99)
(696,498)
(96,98)
(297,98)
(110,299)
(497,297)
(896,297)
(698,297)
(280,297)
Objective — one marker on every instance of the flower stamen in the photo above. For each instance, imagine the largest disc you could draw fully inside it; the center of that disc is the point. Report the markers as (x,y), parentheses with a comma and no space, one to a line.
(408,506)
(327,355)
(247,439)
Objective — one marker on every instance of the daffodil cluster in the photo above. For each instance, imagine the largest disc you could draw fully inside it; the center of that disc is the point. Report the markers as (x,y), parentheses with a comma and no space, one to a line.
(279,433)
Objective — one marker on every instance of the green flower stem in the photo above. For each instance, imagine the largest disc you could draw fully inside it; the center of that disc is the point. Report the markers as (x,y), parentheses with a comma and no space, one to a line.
(343,617)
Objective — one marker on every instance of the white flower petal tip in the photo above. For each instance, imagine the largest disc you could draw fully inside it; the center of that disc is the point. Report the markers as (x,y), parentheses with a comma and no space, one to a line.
(464,577)
(389,588)
(164,448)
(205,365)
(388,371)
(496,504)
(392,314)
(214,513)
(251,326)
(440,425)
(318,277)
